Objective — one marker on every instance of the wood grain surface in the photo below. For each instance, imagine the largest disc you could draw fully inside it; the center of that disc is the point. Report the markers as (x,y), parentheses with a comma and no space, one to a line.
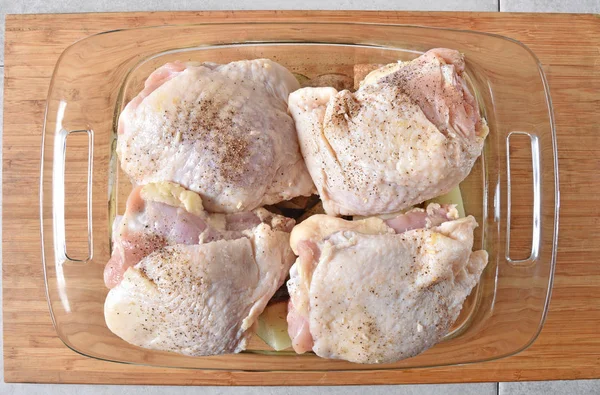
(569,346)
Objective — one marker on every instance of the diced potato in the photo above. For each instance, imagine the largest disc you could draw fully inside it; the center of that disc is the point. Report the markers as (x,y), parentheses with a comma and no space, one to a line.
(452,197)
(272,326)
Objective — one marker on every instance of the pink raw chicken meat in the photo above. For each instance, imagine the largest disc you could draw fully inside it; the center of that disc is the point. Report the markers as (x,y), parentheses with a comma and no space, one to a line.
(377,291)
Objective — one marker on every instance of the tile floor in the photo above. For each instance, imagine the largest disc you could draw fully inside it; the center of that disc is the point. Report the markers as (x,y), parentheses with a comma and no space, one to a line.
(579,387)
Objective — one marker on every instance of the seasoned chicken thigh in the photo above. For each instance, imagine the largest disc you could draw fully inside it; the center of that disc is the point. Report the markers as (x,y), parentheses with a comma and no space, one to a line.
(375,291)
(412,131)
(222,131)
(199,299)
(189,282)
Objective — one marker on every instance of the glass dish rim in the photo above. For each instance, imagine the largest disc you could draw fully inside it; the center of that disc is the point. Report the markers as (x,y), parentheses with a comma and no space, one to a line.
(551,119)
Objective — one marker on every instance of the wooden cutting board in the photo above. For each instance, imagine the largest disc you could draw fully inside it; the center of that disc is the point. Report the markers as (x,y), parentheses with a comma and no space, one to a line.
(569,346)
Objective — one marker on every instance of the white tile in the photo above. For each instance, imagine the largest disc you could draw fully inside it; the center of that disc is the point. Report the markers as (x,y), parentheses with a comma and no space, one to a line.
(59,6)
(574,387)
(43,6)
(583,6)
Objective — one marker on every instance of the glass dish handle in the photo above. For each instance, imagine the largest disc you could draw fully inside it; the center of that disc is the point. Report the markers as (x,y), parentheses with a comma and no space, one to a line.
(58,192)
(537,205)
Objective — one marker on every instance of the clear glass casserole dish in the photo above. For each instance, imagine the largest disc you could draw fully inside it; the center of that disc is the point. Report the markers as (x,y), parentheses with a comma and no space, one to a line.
(512,191)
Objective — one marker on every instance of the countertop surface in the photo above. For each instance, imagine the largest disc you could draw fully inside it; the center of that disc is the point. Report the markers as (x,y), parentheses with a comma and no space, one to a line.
(12,7)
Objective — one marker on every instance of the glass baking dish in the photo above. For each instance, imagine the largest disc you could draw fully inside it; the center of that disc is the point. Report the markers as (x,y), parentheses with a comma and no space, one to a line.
(82,188)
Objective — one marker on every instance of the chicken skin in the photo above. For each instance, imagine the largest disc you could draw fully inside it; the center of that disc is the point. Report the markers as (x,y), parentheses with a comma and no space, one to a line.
(378,291)
(188,282)
(222,131)
(412,131)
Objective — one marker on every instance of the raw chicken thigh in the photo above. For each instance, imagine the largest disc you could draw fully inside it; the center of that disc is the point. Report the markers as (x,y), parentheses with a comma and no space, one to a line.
(222,131)
(377,291)
(411,132)
(189,282)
